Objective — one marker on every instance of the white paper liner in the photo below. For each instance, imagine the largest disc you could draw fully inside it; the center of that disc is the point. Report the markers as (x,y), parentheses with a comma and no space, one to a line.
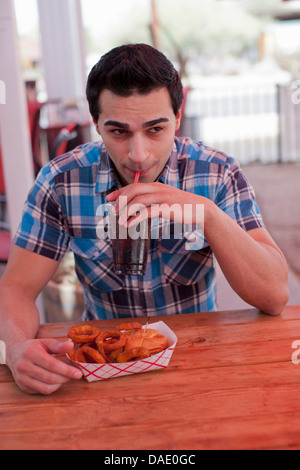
(94,372)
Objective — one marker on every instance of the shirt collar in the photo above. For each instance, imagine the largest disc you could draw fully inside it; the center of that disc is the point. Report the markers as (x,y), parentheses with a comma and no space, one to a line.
(170,174)
(107,178)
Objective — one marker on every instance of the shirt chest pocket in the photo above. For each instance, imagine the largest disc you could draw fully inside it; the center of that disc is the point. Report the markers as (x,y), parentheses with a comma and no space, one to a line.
(94,264)
(183,266)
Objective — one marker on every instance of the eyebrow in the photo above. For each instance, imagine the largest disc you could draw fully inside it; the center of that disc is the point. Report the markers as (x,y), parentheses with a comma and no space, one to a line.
(154,122)
(123,125)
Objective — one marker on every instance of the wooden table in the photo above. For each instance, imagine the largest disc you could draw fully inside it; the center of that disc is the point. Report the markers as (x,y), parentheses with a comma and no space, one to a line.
(231,384)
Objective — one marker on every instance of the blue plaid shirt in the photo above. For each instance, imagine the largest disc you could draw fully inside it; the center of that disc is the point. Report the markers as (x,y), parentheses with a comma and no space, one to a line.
(61,214)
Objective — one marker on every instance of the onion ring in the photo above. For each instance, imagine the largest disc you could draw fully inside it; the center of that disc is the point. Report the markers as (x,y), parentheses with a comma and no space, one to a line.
(129,326)
(103,354)
(83,333)
(79,357)
(106,340)
(91,355)
(128,342)
(134,354)
(112,357)
(72,355)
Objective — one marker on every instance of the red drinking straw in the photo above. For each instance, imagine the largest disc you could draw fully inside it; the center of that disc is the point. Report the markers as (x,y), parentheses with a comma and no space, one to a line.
(136,177)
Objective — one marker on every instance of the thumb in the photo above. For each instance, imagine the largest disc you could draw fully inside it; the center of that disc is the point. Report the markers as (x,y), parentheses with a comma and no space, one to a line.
(55,346)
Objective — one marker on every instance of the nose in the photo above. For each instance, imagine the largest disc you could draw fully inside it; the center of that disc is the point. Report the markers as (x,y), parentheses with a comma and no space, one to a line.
(138,151)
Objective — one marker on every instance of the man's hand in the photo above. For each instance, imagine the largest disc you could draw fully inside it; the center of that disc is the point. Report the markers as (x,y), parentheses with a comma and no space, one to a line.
(251,261)
(31,361)
(36,370)
(151,200)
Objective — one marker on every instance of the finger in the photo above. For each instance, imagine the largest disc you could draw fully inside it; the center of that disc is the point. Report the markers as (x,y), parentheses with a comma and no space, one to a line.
(164,211)
(114,195)
(33,386)
(142,215)
(132,190)
(40,374)
(32,378)
(56,367)
(130,206)
(58,347)
(49,363)
(129,197)
(133,210)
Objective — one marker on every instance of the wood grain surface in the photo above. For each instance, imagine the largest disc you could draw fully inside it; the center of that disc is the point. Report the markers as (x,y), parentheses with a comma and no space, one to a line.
(230,384)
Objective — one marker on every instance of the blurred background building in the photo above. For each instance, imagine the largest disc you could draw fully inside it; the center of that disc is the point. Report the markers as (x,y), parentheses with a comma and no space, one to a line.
(240,59)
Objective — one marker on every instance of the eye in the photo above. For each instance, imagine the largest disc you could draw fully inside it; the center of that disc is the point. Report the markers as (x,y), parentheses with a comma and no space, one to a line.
(155,130)
(118,131)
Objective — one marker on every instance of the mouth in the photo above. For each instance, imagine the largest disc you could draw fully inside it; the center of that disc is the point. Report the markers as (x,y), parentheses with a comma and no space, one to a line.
(141,172)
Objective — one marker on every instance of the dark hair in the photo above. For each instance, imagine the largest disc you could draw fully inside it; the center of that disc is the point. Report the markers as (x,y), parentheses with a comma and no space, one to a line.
(133,68)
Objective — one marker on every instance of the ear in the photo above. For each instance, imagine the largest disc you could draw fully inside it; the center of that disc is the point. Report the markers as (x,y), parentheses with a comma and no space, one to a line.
(96,125)
(178,120)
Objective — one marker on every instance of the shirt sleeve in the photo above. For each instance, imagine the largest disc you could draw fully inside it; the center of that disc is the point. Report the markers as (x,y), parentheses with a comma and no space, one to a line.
(236,197)
(43,228)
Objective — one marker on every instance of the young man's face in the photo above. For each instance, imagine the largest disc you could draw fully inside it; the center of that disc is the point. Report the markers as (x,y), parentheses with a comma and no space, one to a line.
(138,132)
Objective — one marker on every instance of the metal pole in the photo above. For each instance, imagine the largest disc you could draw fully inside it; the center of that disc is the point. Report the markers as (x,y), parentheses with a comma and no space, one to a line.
(279,112)
(154,25)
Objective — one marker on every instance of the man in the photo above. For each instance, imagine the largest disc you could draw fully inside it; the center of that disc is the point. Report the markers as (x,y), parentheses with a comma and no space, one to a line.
(135,96)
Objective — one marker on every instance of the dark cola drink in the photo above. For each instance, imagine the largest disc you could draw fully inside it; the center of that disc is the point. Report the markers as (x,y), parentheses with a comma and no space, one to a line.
(131,248)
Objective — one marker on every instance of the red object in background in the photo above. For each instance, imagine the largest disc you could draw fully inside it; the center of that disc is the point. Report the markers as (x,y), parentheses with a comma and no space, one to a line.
(65,135)
(5,243)
(34,109)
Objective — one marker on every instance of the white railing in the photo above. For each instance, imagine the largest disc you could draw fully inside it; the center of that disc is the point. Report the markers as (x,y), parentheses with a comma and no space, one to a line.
(258,122)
